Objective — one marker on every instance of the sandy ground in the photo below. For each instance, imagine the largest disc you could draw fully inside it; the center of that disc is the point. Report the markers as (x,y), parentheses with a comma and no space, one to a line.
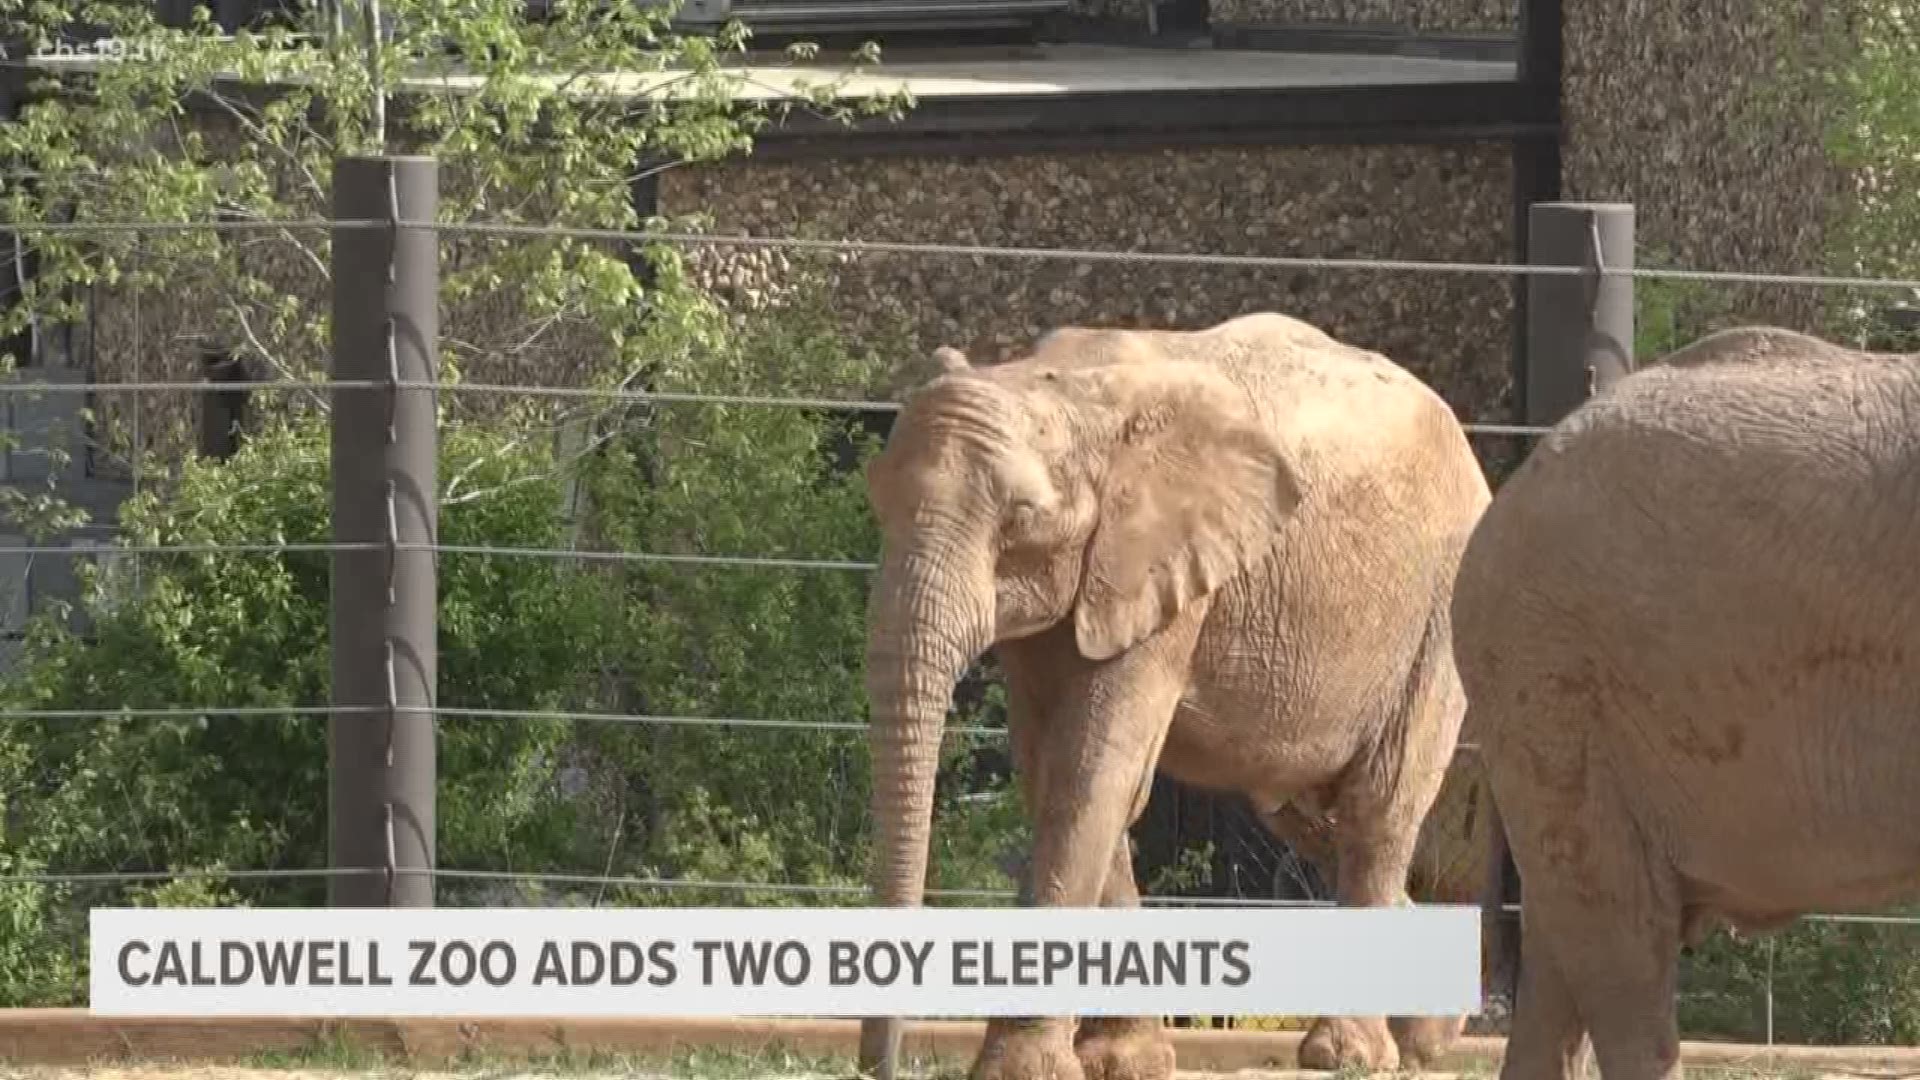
(500,1073)
(521,1073)
(372,1072)
(504,1072)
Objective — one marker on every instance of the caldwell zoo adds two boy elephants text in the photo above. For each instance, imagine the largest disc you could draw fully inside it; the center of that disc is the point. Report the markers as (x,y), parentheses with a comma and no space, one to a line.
(1267,562)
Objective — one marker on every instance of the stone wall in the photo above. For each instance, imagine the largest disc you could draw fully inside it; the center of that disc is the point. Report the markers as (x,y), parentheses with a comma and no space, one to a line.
(1419,15)
(1382,202)
(1133,11)
(1685,109)
(1397,202)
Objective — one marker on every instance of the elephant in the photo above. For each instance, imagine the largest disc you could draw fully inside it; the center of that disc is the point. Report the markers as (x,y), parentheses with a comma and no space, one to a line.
(1223,554)
(1688,628)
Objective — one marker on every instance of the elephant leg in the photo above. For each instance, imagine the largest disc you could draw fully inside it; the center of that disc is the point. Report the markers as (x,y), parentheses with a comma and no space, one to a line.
(1433,720)
(1378,825)
(1600,908)
(1372,873)
(1614,951)
(1548,1039)
(1092,758)
(1605,972)
(1123,1047)
(1028,1047)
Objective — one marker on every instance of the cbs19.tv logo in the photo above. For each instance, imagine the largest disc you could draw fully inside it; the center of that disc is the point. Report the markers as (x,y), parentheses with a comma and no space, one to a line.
(110,49)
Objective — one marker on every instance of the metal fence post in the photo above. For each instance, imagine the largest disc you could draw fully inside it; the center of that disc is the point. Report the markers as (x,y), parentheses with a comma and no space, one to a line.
(381,756)
(1579,342)
(881,1038)
(1579,328)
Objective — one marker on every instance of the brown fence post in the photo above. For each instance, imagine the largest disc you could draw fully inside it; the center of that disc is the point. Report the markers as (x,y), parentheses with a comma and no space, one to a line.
(381,763)
(1579,342)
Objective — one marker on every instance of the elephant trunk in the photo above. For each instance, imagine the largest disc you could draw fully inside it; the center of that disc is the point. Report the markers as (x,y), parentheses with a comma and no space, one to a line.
(930,620)
(931,615)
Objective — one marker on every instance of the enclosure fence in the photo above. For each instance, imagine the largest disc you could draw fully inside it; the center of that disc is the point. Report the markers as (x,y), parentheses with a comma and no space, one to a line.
(1578,307)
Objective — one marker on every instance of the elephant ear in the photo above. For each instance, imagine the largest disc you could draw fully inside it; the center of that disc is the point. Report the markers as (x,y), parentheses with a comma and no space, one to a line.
(1194,491)
(915,373)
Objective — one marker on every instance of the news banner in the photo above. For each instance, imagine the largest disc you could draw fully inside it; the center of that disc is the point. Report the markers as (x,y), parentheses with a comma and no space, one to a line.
(693,962)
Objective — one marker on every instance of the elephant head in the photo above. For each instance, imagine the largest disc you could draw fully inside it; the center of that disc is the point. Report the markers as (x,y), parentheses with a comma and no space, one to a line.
(1092,481)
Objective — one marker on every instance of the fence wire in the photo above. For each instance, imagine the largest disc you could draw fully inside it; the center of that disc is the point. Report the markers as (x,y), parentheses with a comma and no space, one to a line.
(544,877)
(650,397)
(977,252)
(457,712)
(585,879)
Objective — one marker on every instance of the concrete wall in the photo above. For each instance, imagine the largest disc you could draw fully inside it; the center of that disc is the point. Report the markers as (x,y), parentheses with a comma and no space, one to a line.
(1387,202)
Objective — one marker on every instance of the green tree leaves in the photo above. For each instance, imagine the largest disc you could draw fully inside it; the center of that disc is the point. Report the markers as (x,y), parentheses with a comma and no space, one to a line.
(203,127)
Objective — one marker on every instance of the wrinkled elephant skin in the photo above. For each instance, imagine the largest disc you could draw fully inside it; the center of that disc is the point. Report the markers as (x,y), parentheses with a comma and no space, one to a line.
(1226,554)
(1689,632)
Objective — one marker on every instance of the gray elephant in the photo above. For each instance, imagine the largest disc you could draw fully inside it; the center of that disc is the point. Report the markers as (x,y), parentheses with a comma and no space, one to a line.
(1689,632)
(1225,553)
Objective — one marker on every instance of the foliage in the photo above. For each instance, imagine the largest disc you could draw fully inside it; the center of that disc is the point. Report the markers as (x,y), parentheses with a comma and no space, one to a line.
(1844,71)
(639,801)
(768,642)
(250,632)
(191,125)
(1875,137)
(1831,983)
(1190,873)
(1672,312)
(684,803)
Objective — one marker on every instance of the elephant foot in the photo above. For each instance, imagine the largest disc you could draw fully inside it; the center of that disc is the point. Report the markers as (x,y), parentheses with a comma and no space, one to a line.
(1124,1048)
(1027,1050)
(1338,1043)
(1424,1040)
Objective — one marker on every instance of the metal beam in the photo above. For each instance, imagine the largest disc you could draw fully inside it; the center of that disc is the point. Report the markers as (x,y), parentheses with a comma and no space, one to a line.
(1307,115)
(1499,110)
(1536,158)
